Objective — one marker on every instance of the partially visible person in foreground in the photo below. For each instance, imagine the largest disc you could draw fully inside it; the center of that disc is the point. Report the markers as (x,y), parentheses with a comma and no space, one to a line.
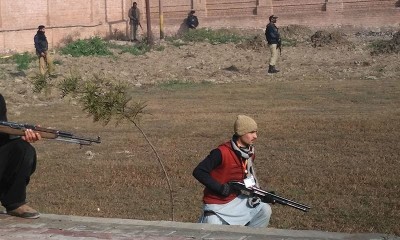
(17,164)
(232,161)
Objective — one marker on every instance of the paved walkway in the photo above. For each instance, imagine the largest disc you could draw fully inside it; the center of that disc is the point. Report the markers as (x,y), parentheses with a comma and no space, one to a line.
(60,227)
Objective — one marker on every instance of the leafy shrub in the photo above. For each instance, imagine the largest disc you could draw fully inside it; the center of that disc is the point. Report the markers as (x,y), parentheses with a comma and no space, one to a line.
(386,46)
(39,83)
(70,83)
(87,47)
(23,60)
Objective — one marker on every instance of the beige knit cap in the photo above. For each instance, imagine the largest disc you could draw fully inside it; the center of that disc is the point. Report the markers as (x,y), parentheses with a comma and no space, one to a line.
(244,124)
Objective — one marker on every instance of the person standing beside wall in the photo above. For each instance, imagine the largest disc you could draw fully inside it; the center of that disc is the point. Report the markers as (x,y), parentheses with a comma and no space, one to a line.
(134,21)
(42,47)
(192,21)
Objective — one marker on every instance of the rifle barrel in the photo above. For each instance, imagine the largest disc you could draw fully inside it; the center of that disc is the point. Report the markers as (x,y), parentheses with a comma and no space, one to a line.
(276,198)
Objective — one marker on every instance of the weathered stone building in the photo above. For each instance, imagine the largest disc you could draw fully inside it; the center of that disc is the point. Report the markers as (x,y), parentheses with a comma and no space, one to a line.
(83,18)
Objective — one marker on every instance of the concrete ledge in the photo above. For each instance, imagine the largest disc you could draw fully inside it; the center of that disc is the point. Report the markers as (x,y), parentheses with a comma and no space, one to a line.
(50,226)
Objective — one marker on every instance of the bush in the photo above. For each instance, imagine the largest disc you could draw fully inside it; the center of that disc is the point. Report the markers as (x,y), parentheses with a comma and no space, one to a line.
(23,60)
(87,47)
(386,46)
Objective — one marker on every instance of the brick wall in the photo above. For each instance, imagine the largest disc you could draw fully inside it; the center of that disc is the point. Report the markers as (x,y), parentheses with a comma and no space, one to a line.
(84,18)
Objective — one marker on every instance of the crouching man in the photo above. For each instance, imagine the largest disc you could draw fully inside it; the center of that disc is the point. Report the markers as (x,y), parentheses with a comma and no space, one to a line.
(232,161)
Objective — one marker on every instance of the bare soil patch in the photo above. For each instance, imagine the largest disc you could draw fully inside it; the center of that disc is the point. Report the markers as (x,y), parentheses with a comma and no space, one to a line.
(329,128)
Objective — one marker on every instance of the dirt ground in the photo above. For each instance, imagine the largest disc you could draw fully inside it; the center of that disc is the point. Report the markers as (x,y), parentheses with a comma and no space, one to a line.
(345,55)
(332,100)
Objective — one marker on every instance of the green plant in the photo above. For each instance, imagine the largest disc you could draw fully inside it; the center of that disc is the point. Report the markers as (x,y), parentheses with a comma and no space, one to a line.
(23,60)
(289,42)
(138,49)
(104,100)
(87,47)
(70,84)
(39,82)
(159,48)
(219,36)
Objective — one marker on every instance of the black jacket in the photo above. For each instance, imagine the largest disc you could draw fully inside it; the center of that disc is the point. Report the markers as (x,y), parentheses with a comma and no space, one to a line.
(272,34)
(41,44)
(192,21)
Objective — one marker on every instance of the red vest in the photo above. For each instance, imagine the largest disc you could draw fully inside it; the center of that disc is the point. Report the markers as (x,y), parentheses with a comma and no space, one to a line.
(230,169)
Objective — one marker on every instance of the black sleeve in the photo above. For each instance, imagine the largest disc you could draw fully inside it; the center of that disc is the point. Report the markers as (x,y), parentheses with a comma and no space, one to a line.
(3,117)
(203,170)
(3,109)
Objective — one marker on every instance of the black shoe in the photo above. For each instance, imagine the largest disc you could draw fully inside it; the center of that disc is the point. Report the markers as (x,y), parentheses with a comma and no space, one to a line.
(272,69)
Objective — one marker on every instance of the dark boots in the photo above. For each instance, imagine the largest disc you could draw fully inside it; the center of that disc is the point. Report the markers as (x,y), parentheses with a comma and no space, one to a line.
(272,69)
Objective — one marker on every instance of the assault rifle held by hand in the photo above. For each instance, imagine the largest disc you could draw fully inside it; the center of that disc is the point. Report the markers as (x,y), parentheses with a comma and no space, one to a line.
(18,129)
(268,197)
(279,46)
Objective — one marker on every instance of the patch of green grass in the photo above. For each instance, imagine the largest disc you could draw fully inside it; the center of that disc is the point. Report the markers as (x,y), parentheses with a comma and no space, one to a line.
(23,60)
(94,46)
(286,42)
(378,45)
(159,48)
(219,36)
(138,49)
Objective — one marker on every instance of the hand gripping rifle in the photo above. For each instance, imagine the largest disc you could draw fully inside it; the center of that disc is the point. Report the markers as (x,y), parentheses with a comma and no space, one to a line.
(18,129)
(268,196)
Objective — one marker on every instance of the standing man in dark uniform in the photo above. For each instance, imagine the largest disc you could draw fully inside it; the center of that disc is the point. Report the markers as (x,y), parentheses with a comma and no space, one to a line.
(134,16)
(274,43)
(42,47)
(192,21)
(17,164)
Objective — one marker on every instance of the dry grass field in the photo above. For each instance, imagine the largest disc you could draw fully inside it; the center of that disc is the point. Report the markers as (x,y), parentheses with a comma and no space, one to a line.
(329,130)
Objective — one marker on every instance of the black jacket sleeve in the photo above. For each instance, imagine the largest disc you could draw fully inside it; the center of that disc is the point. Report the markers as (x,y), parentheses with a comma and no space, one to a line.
(3,117)
(203,170)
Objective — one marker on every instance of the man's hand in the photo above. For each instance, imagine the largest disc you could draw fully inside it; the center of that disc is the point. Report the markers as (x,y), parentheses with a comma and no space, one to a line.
(269,199)
(227,189)
(31,136)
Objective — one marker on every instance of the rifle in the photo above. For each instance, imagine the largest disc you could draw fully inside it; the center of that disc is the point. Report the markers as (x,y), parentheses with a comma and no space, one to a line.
(133,22)
(18,129)
(279,46)
(264,195)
